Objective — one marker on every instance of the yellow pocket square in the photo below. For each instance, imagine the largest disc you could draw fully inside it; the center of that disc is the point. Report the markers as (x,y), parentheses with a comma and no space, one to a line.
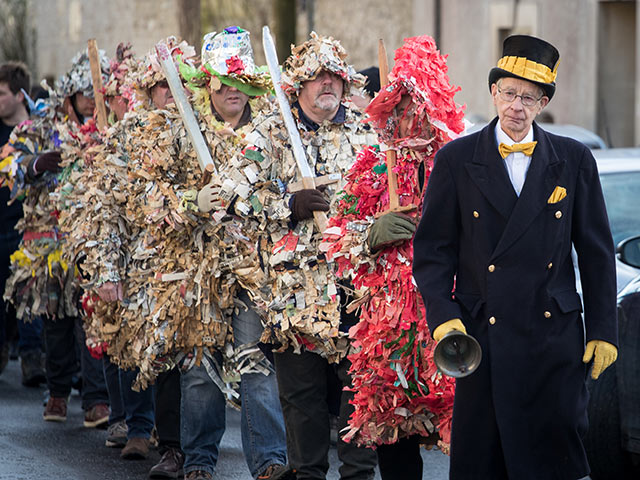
(558,194)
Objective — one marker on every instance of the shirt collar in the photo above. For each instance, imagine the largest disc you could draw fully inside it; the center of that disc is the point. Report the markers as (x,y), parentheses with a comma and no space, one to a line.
(502,137)
(339,117)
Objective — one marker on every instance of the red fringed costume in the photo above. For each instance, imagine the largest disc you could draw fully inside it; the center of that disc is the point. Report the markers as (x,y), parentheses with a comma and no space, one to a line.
(399,391)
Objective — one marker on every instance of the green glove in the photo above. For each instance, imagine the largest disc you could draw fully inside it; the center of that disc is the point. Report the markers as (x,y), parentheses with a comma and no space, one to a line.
(389,229)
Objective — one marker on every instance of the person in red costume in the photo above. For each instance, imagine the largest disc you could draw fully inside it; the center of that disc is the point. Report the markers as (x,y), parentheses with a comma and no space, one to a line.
(401,399)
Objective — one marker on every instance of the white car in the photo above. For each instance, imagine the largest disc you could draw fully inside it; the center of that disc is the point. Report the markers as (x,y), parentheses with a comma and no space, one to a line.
(613,440)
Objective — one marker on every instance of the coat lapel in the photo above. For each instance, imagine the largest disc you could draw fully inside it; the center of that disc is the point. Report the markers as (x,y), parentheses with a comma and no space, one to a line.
(488,172)
(541,179)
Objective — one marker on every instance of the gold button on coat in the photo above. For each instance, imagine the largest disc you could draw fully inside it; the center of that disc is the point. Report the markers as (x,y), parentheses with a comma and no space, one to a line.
(491,268)
(549,266)
(547,314)
(476,214)
(492,320)
(558,214)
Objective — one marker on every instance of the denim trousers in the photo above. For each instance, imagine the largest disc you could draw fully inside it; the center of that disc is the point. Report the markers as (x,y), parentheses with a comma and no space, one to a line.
(136,408)
(203,409)
(304,395)
(30,335)
(65,341)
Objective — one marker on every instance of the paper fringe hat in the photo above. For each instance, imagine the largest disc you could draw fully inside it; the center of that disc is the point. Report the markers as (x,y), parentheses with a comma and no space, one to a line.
(123,68)
(78,78)
(420,70)
(309,59)
(151,72)
(228,56)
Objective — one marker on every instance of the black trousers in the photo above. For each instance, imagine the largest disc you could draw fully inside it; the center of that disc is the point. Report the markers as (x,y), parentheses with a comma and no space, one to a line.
(168,410)
(302,383)
(401,460)
(65,348)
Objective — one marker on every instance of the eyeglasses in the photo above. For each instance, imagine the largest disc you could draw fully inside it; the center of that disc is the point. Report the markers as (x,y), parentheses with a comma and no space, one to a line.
(510,96)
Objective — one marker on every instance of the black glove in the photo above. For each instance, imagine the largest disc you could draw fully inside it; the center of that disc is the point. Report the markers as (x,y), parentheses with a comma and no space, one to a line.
(305,202)
(47,162)
(390,228)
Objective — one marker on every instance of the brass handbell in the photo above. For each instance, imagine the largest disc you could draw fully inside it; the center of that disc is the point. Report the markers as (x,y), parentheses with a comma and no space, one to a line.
(457,354)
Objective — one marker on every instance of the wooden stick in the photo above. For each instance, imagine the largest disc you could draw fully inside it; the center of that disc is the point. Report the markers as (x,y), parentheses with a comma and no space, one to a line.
(96,77)
(394,202)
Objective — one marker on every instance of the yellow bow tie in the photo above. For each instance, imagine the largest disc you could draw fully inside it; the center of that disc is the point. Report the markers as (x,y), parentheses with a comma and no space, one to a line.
(526,148)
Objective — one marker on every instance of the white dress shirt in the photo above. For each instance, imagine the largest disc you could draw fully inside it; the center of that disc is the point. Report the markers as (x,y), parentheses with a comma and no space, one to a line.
(517,163)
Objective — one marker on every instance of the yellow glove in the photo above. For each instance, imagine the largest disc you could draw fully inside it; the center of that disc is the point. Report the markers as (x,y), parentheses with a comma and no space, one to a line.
(446,327)
(603,354)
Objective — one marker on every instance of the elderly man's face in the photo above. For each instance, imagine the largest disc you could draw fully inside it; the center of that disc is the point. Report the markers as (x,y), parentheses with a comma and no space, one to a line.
(161,94)
(516,118)
(229,102)
(320,97)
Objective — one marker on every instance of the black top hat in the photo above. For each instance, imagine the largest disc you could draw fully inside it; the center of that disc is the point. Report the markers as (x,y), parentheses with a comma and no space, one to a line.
(528,58)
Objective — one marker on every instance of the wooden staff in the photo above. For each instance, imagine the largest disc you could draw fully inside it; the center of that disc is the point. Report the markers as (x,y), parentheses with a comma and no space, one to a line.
(96,77)
(394,202)
(392,178)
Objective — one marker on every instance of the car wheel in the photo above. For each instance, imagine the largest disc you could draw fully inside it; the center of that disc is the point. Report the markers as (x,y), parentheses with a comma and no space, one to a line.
(603,442)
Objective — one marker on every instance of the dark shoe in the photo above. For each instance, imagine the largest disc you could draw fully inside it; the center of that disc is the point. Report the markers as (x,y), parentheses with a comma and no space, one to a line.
(277,472)
(198,475)
(169,466)
(117,435)
(97,416)
(56,409)
(4,356)
(32,370)
(136,449)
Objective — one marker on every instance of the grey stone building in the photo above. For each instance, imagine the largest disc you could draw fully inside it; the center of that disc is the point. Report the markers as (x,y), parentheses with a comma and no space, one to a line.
(598,77)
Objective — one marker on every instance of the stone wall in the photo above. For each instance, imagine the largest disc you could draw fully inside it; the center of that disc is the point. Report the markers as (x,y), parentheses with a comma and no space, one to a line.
(470,32)
(62,27)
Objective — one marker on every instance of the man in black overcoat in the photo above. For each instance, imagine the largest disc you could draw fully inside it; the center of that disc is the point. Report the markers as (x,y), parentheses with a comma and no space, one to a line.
(493,258)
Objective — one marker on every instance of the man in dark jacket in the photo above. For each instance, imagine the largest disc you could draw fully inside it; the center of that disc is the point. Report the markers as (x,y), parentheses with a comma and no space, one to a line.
(500,218)
(14,78)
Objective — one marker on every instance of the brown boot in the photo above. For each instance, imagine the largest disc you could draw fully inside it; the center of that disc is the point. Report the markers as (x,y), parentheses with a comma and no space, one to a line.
(32,368)
(56,409)
(97,416)
(169,466)
(136,449)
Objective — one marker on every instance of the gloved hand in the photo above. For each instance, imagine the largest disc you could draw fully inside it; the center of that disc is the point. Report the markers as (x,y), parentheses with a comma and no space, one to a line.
(603,354)
(206,197)
(47,162)
(110,291)
(305,202)
(446,327)
(389,229)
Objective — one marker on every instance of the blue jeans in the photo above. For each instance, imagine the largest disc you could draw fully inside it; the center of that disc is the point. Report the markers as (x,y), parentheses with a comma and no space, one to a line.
(136,408)
(30,335)
(203,409)
(112,379)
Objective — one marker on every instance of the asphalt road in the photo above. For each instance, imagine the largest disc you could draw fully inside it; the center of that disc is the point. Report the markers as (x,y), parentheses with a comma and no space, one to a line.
(31,448)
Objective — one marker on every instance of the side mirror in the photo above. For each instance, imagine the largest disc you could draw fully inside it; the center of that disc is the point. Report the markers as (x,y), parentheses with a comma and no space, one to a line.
(628,251)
